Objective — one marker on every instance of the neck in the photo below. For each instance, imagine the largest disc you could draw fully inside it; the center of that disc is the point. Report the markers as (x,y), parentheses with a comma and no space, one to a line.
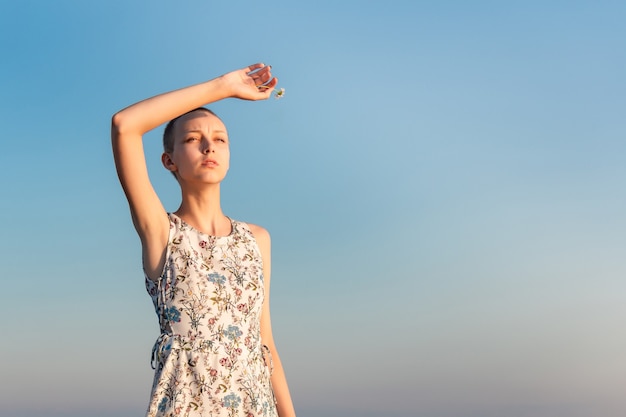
(202,210)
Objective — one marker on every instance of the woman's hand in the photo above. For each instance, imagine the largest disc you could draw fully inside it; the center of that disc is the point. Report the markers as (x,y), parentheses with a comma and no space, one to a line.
(251,83)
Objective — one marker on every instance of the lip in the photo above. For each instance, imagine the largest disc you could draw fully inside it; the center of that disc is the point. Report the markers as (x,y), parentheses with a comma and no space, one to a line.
(209,163)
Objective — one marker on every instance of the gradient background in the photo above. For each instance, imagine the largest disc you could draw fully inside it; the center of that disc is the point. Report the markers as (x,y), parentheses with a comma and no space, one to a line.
(444,183)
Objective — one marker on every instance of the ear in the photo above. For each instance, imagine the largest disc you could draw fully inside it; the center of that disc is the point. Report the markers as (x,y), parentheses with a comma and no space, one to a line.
(168,163)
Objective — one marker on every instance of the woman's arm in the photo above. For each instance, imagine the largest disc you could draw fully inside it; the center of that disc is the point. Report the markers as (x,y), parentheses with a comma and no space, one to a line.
(130,124)
(279,381)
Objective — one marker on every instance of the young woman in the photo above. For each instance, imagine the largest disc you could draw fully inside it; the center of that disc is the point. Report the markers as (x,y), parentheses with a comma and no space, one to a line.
(208,275)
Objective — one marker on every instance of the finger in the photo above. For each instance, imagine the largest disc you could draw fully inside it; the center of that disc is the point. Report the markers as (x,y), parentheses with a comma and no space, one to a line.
(263,69)
(267,89)
(272,83)
(265,76)
(254,68)
(257,76)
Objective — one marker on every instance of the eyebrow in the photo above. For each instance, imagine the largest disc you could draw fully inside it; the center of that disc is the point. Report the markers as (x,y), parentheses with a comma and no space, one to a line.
(201,131)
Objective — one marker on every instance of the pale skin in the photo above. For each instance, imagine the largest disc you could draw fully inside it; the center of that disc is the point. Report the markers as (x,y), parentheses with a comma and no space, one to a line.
(199,160)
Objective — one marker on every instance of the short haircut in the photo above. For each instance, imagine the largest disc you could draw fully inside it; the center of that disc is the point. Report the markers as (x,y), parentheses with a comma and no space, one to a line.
(168,133)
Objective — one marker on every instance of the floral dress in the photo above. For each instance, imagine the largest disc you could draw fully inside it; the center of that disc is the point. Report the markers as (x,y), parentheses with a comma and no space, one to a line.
(209,359)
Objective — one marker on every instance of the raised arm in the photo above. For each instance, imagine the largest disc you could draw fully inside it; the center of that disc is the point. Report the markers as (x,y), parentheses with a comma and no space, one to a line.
(130,124)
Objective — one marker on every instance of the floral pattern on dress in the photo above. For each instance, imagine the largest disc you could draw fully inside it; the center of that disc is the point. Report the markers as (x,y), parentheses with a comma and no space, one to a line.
(209,358)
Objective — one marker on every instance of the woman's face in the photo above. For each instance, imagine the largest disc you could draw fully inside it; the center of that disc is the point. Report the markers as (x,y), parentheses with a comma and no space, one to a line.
(201,149)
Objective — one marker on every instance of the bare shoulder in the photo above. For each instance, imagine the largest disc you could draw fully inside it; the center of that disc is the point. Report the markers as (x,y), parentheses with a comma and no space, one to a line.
(261,234)
(262,237)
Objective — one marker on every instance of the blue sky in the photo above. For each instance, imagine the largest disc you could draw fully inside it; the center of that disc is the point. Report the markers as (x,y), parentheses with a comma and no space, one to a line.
(443,182)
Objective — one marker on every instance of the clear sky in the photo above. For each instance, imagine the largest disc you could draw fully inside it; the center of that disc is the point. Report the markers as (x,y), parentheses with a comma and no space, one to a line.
(444,183)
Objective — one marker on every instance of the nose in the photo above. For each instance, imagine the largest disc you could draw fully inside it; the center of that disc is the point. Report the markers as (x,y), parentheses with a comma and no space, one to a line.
(207,147)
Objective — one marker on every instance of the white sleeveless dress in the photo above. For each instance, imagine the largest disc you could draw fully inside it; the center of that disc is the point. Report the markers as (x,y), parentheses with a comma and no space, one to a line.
(209,359)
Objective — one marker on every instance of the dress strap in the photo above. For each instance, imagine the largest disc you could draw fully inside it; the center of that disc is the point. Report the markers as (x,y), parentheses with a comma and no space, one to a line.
(269,362)
(267,358)
(161,283)
(163,320)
